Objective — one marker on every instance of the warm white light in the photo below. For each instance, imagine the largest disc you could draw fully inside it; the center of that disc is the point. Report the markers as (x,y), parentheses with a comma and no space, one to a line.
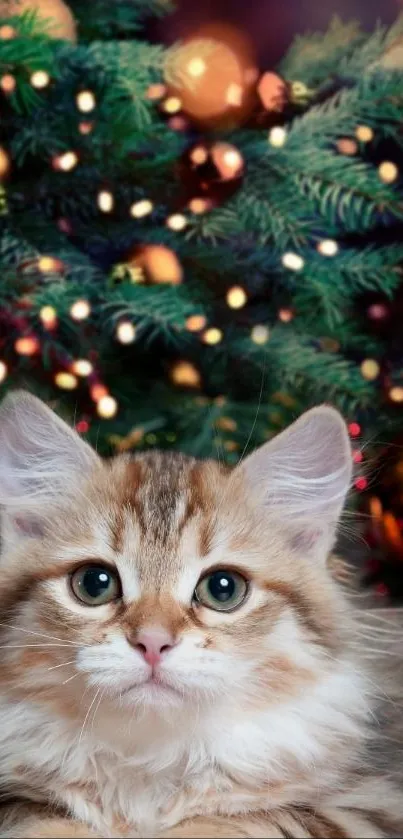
(327,247)
(48,316)
(260,334)
(396,394)
(86,101)
(212,336)
(105,201)
(107,407)
(364,133)
(125,332)
(48,264)
(3,371)
(236,297)
(40,79)
(370,369)
(80,310)
(277,136)
(176,222)
(156,91)
(196,67)
(388,172)
(8,83)
(293,261)
(194,323)
(66,381)
(199,155)
(141,208)
(199,205)
(82,367)
(172,105)
(67,161)
(233,159)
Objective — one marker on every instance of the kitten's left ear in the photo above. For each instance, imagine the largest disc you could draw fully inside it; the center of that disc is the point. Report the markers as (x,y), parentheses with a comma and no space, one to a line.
(42,460)
(302,476)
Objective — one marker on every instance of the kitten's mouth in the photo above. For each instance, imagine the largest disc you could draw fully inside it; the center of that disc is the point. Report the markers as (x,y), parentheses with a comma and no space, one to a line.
(154,685)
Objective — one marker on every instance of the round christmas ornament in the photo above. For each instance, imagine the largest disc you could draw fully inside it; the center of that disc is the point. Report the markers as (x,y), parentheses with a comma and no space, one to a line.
(56,13)
(213,170)
(273,92)
(154,264)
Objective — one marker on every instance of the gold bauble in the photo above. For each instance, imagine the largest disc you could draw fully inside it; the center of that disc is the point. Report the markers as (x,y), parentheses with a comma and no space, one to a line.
(157,263)
(56,13)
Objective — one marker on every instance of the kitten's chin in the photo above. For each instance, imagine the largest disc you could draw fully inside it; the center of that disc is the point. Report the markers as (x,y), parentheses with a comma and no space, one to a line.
(152,693)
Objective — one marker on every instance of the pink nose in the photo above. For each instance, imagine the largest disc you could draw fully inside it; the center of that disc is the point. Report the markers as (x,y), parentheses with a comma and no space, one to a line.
(153,644)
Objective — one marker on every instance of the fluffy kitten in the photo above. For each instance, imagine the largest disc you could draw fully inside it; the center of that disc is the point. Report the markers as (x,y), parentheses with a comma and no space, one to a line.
(176,659)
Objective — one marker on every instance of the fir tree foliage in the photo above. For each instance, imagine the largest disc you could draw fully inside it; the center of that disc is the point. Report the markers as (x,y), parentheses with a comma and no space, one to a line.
(291,199)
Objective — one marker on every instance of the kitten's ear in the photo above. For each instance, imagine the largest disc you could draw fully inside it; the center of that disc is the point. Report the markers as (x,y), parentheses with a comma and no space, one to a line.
(303,476)
(41,459)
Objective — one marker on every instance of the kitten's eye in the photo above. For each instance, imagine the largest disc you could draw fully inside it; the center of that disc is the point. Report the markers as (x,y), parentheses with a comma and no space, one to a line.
(95,585)
(221,590)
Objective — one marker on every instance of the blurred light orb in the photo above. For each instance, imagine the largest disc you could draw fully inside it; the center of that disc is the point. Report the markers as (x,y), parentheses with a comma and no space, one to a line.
(40,79)
(388,172)
(48,316)
(260,334)
(66,381)
(195,323)
(364,133)
(107,407)
(3,371)
(27,345)
(293,261)
(185,374)
(277,136)
(80,310)
(86,101)
(141,208)
(327,247)
(105,201)
(370,369)
(236,297)
(177,222)
(125,332)
(396,393)
(8,83)
(82,367)
(212,336)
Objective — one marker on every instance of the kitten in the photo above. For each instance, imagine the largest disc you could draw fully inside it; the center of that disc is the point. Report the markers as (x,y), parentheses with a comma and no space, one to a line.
(176,659)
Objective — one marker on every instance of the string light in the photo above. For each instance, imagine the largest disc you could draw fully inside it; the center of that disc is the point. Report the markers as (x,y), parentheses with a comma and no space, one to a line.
(196,67)
(66,161)
(212,336)
(85,127)
(82,426)
(347,146)
(198,155)
(141,208)
(105,201)
(361,483)
(7,32)
(285,315)
(125,332)
(260,334)
(66,381)
(370,369)
(396,393)
(48,316)
(327,247)
(184,373)
(156,91)
(107,407)
(40,79)
(277,136)
(49,264)
(4,162)
(388,172)
(293,261)
(236,297)
(85,101)
(80,310)
(172,105)
(98,391)
(195,323)
(199,205)
(377,311)
(28,345)
(228,160)
(3,371)
(364,133)
(82,367)
(8,83)
(358,456)
(354,429)
(177,222)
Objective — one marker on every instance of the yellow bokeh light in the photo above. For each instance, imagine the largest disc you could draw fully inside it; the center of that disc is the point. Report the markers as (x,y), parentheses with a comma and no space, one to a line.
(3,371)
(105,201)
(236,297)
(277,136)
(364,133)
(177,222)
(185,374)
(293,261)
(82,367)
(370,369)
(396,394)
(260,334)
(85,101)
(141,208)
(80,310)
(66,381)
(172,105)
(194,323)
(66,161)
(107,407)
(27,345)
(388,172)
(40,79)
(212,336)
(327,247)
(48,316)
(196,67)
(125,332)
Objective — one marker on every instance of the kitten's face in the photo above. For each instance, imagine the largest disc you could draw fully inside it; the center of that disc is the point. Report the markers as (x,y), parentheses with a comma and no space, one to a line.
(163,582)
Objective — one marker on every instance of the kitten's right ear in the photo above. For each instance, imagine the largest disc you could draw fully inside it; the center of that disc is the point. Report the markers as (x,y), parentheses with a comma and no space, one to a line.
(41,458)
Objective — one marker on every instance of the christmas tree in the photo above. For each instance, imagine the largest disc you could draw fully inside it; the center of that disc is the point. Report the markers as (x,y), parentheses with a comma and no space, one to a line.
(194,250)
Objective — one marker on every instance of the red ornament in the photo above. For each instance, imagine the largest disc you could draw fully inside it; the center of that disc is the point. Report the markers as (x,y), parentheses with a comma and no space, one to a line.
(354,429)
(82,426)
(361,484)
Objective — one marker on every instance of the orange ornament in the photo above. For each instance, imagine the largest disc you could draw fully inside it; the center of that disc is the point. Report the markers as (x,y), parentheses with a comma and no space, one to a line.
(56,13)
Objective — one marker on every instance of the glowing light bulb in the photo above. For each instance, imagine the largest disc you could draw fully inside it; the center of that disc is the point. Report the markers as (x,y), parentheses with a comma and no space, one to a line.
(195,323)
(361,483)
(199,205)
(40,79)
(66,381)
(277,136)
(233,159)
(260,334)
(82,426)
(105,201)
(98,391)
(327,247)
(212,336)
(388,172)
(177,222)
(293,261)
(156,91)
(358,456)
(85,127)
(85,101)
(82,367)
(236,297)
(285,315)
(347,146)
(48,316)
(196,67)
(125,332)
(8,83)
(3,371)
(354,429)
(7,32)
(107,407)
(66,161)
(199,155)
(141,208)
(396,393)
(172,105)
(370,369)
(80,310)
(4,163)
(185,374)
(364,133)
(28,345)
(49,264)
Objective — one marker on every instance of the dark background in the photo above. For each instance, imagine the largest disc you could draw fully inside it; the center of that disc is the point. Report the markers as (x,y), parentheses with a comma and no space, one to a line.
(272,24)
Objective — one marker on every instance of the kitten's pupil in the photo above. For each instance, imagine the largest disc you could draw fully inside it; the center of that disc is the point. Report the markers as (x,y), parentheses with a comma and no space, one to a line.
(95,582)
(221,587)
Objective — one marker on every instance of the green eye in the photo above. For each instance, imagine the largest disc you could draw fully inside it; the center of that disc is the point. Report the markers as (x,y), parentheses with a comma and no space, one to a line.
(95,585)
(221,590)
